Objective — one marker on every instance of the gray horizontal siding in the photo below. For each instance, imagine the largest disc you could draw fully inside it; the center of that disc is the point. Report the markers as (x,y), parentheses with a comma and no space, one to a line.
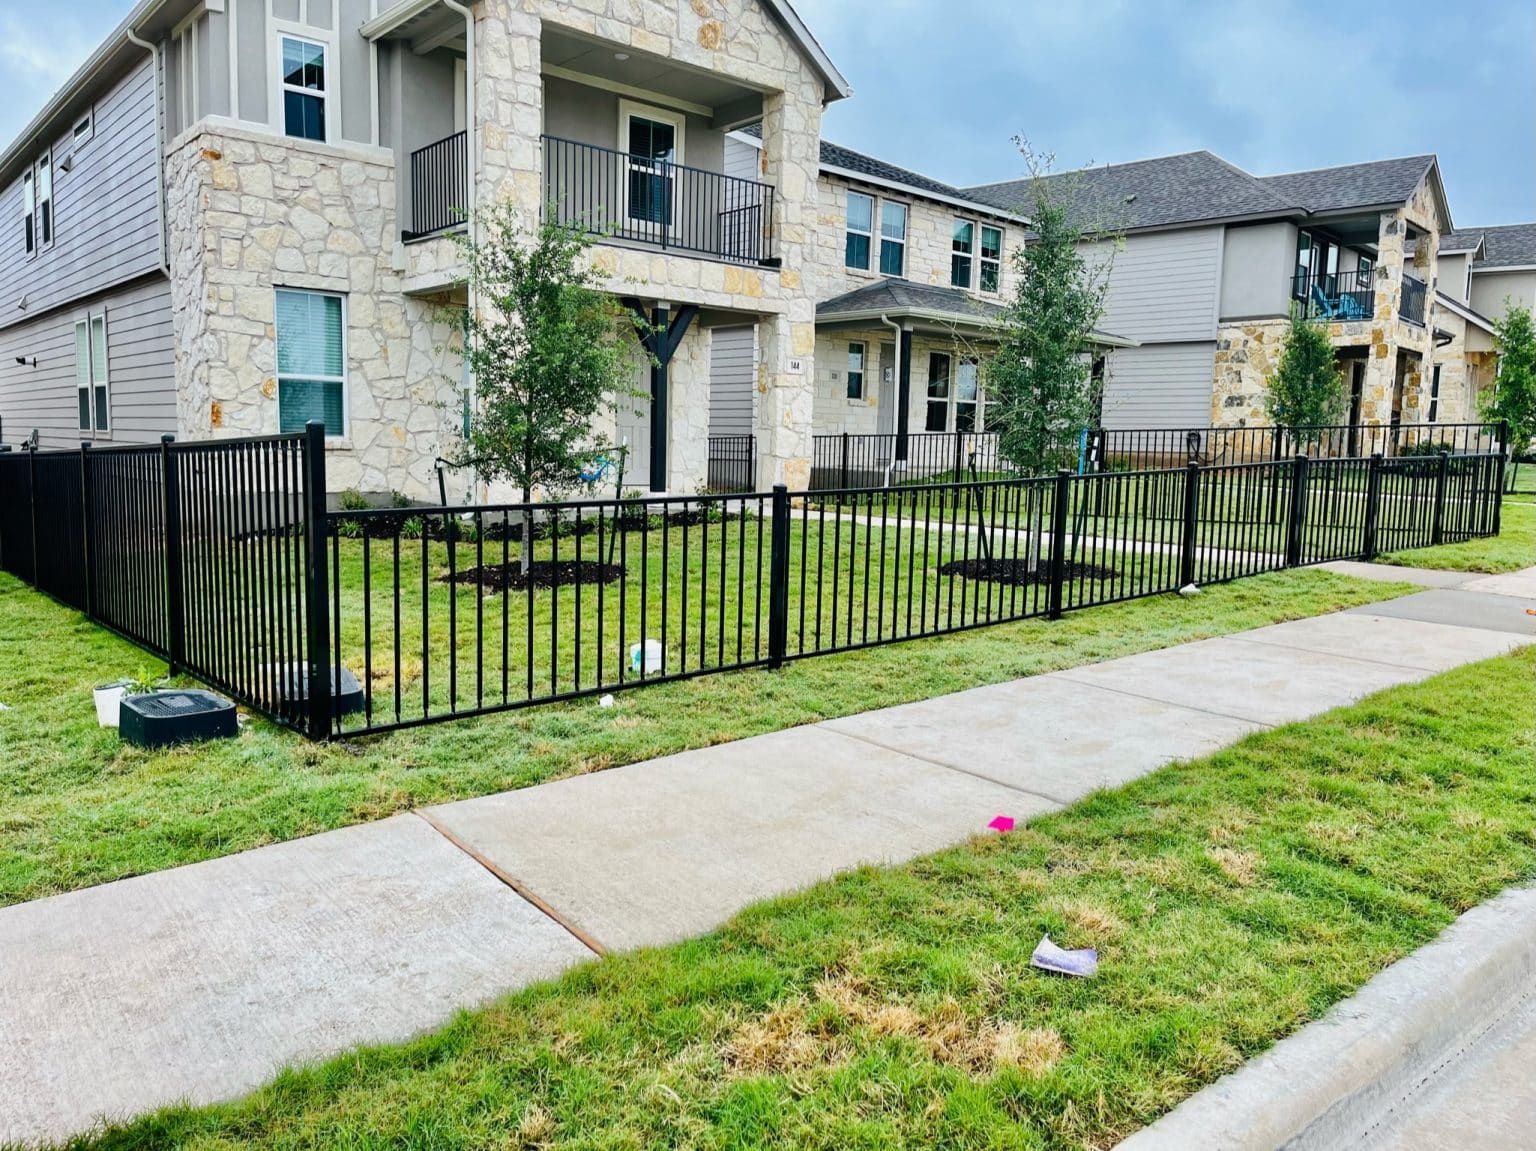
(1160,386)
(732,374)
(1164,286)
(140,369)
(106,209)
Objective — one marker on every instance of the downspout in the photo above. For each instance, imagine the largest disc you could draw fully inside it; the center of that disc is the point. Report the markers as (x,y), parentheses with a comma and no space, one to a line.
(160,215)
(890,464)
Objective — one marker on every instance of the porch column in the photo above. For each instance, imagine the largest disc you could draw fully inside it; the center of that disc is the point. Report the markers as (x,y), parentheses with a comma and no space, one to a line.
(903,392)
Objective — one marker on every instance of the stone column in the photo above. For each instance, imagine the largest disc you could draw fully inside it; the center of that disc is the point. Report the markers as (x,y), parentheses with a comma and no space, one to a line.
(509,107)
(787,340)
(1381,364)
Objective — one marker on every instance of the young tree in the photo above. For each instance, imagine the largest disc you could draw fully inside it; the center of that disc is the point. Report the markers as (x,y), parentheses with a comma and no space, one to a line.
(1306,390)
(1514,387)
(548,352)
(1041,390)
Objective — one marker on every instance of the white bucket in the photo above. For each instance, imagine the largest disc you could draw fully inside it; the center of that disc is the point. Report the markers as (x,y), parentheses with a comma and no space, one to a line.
(647,657)
(109,703)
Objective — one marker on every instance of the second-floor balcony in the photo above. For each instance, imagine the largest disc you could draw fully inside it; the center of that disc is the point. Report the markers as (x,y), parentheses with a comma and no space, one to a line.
(1335,296)
(633,199)
(1413,300)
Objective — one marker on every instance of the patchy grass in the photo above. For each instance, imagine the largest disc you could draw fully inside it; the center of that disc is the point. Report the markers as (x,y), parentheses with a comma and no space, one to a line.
(80,808)
(1232,899)
(1514,548)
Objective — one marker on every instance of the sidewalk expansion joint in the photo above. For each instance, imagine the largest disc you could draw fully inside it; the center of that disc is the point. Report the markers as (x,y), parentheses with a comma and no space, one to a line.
(516,887)
(1067,675)
(1334,655)
(946,766)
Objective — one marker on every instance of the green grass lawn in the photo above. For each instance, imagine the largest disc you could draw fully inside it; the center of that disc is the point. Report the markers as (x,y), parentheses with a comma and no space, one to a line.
(1514,548)
(80,808)
(1233,899)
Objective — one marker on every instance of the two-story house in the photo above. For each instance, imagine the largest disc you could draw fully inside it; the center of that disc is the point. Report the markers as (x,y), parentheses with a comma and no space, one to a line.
(279,182)
(1213,259)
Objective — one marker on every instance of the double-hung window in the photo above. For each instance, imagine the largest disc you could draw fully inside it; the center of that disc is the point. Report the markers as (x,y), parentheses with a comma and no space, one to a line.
(991,259)
(305,88)
(91,374)
(893,238)
(961,249)
(856,370)
(938,393)
(861,227)
(29,210)
(311,361)
(653,141)
(1434,394)
(968,396)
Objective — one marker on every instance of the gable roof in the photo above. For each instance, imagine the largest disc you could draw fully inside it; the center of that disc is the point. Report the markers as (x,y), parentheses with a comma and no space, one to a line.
(1367,185)
(861,166)
(1504,246)
(1184,189)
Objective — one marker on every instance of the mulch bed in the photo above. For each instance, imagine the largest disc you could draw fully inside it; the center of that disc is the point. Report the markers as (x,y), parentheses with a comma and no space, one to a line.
(1015,572)
(541,574)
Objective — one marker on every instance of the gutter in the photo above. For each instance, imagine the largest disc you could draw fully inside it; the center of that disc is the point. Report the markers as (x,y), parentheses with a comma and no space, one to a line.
(162,211)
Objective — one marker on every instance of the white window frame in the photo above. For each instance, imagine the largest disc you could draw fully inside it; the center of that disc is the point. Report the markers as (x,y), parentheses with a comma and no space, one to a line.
(187,78)
(29,212)
(850,230)
(45,203)
(862,371)
(330,96)
(76,135)
(969,255)
(346,359)
(92,322)
(906,231)
(628,110)
(982,260)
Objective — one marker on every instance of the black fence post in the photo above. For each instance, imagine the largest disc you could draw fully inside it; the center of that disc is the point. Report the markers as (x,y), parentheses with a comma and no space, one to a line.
(1191,523)
(1442,471)
(959,454)
(1372,508)
(32,501)
(175,606)
(317,593)
(1293,535)
(1063,496)
(87,532)
(843,470)
(778,579)
(1498,496)
(1274,489)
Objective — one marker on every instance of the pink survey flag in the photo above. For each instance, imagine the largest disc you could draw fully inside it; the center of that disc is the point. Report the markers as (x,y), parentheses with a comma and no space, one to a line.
(1002,824)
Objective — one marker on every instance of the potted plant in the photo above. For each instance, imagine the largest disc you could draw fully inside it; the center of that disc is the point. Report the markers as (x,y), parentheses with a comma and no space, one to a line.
(109,696)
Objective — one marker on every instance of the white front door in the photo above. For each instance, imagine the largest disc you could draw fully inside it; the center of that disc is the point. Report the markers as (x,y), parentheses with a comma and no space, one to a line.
(633,419)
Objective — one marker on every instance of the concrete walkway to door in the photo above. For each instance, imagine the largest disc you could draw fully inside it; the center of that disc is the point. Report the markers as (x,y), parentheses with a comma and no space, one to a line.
(199,983)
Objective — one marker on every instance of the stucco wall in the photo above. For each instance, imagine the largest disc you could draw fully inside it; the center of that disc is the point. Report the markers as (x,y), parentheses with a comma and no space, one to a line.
(1493,291)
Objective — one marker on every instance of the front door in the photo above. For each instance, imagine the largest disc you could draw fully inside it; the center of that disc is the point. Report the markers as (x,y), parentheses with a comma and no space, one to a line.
(633,418)
(889,394)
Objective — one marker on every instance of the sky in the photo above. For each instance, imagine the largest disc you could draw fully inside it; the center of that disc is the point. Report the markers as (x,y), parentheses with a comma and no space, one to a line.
(943,86)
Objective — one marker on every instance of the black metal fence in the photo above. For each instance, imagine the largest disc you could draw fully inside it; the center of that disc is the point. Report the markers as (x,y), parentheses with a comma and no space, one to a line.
(439,186)
(1335,295)
(1411,305)
(627,197)
(732,463)
(222,557)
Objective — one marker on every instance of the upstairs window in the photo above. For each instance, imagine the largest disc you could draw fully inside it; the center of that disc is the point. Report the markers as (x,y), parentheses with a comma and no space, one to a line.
(961,250)
(91,375)
(991,259)
(311,361)
(305,91)
(45,200)
(29,210)
(85,127)
(893,238)
(856,371)
(1364,269)
(861,227)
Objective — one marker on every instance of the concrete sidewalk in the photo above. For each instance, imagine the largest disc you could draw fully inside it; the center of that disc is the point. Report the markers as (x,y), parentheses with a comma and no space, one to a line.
(200,983)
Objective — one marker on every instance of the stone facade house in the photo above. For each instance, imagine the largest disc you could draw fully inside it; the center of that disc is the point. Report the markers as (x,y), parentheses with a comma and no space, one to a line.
(1212,259)
(239,217)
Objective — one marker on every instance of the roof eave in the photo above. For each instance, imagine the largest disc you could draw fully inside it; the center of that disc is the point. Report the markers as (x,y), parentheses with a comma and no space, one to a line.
(838,87)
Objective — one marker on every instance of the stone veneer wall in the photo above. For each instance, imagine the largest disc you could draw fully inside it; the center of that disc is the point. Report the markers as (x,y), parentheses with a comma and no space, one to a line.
(250,213)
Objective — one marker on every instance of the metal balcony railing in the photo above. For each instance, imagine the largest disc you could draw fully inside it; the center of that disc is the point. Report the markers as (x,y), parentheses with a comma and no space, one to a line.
(624,197)
(1335,295)
(439,186)
(1411,305)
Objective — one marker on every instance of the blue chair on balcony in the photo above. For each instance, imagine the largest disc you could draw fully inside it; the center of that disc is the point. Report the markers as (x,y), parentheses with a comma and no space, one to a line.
(1322,307)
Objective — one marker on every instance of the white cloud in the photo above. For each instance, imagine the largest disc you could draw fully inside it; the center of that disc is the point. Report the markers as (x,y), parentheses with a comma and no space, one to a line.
(41,47)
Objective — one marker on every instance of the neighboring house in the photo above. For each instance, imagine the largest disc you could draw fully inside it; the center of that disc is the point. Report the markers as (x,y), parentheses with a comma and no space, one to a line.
(1213,260)
(1501,269)
(316,155)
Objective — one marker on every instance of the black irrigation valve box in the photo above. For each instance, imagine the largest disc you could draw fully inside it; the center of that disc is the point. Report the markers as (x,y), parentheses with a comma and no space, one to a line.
(161,718)
(293,688)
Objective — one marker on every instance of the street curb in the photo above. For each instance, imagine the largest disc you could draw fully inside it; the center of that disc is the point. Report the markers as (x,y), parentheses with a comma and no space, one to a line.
(1335,1081)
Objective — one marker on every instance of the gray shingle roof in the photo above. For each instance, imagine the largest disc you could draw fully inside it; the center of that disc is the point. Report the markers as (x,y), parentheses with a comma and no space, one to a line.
(1451,242)
(1508,246)
(1352,185)
(1153,193)
(898,296)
